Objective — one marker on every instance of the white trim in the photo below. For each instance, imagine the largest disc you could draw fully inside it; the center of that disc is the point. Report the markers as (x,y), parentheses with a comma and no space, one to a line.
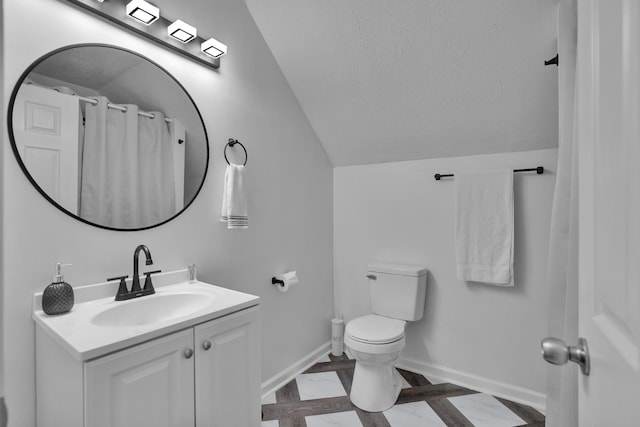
(511,392)
(283,377)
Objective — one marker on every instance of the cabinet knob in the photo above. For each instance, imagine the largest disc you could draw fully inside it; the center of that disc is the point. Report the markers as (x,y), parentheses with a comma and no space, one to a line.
(188,353)
(206,344)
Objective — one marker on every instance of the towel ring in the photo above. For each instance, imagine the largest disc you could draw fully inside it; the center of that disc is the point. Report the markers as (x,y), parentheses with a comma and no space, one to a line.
(231,143)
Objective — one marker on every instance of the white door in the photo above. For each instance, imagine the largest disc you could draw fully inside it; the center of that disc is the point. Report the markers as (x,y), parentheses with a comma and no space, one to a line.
(609,169)
(148,385)
(228,371)
(46,127)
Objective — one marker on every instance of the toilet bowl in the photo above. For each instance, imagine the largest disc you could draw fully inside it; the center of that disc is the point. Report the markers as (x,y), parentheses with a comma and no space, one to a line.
(375,343)
(375,340)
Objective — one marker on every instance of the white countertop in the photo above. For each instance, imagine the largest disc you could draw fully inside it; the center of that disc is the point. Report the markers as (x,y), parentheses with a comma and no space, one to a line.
(79,334)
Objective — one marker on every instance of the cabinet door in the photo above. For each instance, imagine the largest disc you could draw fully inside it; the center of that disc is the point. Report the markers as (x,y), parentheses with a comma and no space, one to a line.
(150,384)
(228,371)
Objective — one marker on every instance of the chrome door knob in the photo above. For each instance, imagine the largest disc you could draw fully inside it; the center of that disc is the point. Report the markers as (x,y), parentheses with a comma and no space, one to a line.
(206,345)
(188,353)
(556,351)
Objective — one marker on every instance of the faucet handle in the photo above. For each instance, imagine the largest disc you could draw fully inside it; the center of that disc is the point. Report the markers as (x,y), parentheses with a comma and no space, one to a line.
(122,288)
(147,280)
(148,273)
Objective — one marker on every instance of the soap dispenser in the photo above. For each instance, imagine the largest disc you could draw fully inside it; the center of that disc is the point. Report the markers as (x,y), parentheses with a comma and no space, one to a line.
(58,296)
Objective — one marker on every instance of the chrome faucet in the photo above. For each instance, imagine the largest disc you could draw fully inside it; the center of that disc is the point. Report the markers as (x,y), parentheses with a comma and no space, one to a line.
(135,287)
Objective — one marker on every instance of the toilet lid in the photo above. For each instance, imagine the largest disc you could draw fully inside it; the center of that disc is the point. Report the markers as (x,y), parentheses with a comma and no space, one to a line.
(375,329)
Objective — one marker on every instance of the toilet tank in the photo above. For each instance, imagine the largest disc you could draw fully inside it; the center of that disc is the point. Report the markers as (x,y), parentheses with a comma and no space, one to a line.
(397,290)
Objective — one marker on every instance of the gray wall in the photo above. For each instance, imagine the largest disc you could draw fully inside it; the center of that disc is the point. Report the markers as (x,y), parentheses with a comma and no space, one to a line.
(2,131)
(482,336)
(290,196)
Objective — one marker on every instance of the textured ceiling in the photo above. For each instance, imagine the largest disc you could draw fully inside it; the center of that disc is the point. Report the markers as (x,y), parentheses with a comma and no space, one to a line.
(87,66)
(388,80)
(391,80)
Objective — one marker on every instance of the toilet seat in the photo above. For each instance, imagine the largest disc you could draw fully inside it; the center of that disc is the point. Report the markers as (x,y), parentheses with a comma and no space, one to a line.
(375,334)
(374,329)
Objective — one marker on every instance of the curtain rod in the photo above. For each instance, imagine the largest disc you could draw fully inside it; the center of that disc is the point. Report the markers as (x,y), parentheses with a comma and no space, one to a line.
(121,108)
(539,170)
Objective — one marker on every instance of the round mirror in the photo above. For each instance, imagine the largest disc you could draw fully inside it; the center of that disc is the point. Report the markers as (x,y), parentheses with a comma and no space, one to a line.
(108,136)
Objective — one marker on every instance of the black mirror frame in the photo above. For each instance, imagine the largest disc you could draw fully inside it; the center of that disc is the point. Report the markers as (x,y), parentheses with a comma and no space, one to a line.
(14,147)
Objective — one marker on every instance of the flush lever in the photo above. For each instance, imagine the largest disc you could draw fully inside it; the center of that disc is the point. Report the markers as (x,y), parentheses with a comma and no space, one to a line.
(556,351)
(372,277)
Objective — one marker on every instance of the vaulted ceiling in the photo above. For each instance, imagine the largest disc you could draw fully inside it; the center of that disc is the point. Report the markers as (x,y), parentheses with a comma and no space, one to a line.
(393,80)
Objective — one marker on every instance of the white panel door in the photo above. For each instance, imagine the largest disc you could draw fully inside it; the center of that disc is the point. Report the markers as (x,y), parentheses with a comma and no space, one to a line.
(609,169)
(46,127)
(228,371)
(148,385)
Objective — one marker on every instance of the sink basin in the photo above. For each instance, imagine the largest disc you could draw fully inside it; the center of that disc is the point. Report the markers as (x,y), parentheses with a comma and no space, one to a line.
(152,309)
(97,325)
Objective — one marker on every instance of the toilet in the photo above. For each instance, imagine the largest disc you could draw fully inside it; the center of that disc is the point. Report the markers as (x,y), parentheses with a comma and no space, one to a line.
(397,295)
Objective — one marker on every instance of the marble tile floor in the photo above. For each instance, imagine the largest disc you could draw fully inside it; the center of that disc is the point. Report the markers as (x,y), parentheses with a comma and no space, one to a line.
(319,398)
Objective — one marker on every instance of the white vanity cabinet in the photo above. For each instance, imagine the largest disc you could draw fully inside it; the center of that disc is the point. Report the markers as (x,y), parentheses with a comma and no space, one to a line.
(151,384)
(228,372)
(205,375)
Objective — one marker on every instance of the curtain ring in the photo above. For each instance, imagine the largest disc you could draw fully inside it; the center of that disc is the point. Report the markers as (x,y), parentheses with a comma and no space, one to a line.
(231,143)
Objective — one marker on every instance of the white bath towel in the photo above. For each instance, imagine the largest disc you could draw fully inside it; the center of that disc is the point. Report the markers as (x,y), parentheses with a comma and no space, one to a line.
(234,198)
(484,226)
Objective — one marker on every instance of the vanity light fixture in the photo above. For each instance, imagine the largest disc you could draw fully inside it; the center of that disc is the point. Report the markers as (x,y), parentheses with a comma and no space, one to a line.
(175,35)
(142,11)
(182,31)
(213,48)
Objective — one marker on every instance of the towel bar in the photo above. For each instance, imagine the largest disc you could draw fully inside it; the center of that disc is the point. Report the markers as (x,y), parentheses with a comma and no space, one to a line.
(552,61)
(539,170)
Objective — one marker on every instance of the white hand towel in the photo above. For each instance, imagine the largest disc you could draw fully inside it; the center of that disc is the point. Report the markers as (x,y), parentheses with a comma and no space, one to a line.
(484,227)
(234,198)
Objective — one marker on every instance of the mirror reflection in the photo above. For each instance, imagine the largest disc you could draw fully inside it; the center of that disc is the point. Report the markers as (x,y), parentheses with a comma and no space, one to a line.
(109,137)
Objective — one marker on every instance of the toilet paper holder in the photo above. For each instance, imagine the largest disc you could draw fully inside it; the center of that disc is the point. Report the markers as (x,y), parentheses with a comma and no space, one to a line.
(286,281)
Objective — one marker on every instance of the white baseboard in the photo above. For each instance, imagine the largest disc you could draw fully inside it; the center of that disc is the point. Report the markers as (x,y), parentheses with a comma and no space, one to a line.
(434,373)
(283,377)
(484,385)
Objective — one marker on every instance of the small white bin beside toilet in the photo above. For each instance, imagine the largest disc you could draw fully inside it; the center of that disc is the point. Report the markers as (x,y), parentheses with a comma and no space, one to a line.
(397,295)
(337,337)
